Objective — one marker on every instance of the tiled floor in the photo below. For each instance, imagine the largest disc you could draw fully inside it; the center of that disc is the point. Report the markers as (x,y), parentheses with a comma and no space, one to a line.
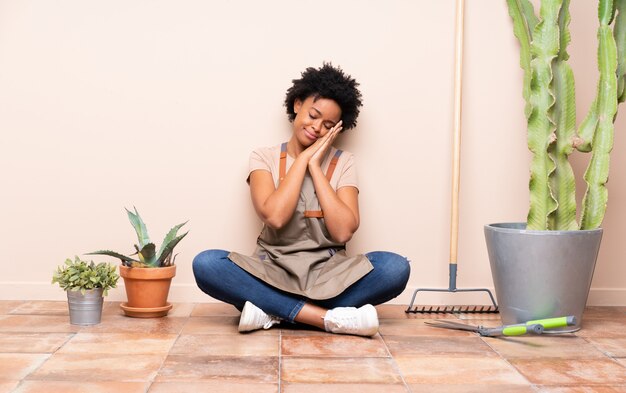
(197,349)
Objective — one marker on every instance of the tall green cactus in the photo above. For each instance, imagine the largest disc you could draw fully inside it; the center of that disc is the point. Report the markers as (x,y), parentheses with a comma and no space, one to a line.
(551,110)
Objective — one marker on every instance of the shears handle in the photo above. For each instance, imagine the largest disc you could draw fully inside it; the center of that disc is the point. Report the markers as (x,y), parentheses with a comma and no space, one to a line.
(533,327)
(552,323)
(518,330)
(511,330)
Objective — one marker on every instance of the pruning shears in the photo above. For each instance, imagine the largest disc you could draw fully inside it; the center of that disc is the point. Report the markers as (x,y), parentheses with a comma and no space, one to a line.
(531,327)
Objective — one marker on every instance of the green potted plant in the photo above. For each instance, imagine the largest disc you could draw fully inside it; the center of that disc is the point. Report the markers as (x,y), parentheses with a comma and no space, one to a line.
(544,267)
(147,273)
(86,284)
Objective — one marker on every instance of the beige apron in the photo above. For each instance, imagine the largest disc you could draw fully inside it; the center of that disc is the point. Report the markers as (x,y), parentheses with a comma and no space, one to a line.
(301,257)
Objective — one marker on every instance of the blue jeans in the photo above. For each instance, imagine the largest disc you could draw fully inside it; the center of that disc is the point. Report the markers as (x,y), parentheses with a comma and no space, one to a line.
(219,277)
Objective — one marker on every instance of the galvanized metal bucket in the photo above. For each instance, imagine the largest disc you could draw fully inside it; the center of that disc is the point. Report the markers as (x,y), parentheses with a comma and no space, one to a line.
(541,274)
(85,309)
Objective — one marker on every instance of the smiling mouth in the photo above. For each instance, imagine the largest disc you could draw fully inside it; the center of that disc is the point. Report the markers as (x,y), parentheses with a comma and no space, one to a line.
(309,135)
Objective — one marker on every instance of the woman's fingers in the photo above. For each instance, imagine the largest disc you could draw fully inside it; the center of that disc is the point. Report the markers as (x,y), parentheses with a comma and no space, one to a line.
(325,143)
(338,127)
(322,144)
(336,130)
(332,133)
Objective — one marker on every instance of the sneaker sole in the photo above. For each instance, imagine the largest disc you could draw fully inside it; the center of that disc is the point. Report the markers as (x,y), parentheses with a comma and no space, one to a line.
(244,320)
(374,329)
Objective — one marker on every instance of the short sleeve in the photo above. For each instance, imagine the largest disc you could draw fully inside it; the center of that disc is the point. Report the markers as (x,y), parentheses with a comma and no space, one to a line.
(264,158)
(257,162)
(348,172)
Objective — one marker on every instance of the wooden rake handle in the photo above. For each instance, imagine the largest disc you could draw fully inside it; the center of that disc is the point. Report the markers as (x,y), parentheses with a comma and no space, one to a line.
(456,155)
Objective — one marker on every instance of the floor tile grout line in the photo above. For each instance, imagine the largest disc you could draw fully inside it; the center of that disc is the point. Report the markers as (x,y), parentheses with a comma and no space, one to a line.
(614,358)
(36,368)
(582,358)
(69,335)
(69,338)
(395,365)
(506,361)
(280,360)
(152,380)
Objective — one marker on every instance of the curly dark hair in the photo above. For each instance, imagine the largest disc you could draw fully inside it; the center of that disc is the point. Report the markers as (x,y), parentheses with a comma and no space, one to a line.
(327,82)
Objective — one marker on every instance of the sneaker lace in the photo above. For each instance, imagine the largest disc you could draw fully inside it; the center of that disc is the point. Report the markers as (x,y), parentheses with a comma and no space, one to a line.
(346,321)
(271,322)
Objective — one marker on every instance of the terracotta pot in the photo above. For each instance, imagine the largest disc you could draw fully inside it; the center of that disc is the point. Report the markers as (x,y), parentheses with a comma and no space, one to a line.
(147,290)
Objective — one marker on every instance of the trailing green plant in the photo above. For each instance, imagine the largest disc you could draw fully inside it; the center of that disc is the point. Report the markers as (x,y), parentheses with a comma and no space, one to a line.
(548,89)
(79,275)
(146,253)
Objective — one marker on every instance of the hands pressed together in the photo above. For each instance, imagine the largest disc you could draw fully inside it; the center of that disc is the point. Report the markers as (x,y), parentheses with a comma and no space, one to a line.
(317,150)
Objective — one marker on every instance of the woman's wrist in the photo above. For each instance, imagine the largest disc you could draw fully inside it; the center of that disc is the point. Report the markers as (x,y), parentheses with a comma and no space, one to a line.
(314,167)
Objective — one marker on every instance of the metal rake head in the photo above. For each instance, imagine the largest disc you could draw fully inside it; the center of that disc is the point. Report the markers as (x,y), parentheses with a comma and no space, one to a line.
(484,309)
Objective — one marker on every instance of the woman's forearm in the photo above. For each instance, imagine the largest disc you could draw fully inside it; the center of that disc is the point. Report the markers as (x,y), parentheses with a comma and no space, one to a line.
(275,206)
(341,214)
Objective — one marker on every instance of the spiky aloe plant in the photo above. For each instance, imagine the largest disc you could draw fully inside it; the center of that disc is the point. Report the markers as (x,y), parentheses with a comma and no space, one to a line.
(146,250)
(551,110)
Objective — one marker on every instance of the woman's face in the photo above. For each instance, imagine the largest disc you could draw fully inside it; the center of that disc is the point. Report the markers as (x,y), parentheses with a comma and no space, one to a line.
(314,118)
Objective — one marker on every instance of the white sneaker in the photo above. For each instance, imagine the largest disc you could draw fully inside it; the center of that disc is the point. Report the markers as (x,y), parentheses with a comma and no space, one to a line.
(361,321)
(253,318)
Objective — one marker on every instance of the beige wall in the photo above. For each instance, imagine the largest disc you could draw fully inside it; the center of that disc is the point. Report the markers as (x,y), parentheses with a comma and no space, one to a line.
(107,104)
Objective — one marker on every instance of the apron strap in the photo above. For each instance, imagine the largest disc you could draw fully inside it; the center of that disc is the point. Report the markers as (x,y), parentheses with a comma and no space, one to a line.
(282,166)
(333,164)
(329,175)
